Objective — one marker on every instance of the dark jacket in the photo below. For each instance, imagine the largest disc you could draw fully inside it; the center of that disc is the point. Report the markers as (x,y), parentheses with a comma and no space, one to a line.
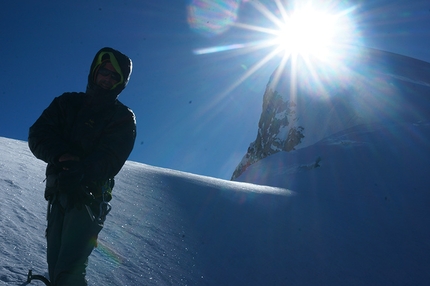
(93,125)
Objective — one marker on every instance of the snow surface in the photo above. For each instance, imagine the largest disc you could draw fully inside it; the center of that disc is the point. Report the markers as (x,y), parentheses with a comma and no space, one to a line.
(362,205)
(353,210)
(166,227)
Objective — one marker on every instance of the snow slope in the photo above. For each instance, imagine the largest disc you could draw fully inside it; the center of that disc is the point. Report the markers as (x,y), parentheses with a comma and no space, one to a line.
(166,227)
(365,192)
(360,218)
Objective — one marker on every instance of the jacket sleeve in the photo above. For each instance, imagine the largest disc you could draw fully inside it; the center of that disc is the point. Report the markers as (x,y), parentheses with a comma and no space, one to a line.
(114,147)
(44,139)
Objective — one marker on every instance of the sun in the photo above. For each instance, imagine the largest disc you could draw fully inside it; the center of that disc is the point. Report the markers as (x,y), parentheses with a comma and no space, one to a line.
(307,31)
(303,29)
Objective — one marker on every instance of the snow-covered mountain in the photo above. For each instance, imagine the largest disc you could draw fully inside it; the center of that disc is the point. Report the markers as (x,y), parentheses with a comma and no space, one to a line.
(306,101)
(349,206)
(356,214)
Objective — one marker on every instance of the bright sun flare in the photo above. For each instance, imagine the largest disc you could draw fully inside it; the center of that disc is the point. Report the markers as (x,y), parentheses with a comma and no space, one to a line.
(301,30)
(307,32)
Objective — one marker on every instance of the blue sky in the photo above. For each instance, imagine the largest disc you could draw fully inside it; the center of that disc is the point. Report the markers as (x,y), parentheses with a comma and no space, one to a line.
(189,116)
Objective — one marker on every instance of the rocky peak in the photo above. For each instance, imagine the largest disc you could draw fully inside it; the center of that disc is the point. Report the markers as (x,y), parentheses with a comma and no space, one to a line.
(306,101)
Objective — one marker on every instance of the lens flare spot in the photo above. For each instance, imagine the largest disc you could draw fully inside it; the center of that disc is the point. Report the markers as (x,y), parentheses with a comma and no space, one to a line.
(210,18)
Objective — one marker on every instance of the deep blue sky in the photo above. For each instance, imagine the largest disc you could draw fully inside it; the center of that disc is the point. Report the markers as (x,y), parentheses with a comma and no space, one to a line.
(188,117)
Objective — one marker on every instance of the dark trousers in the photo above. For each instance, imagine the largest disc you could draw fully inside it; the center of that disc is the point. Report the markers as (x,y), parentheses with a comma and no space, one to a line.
(71,237)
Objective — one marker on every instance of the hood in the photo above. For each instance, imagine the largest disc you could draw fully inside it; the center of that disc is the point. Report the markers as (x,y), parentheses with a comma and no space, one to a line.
(122,65)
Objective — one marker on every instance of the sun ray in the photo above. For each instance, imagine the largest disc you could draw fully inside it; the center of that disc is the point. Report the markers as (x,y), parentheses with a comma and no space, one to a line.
(265,11)
(282,10)
(216,49)
(251,71)
(256,28)
(303,32)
